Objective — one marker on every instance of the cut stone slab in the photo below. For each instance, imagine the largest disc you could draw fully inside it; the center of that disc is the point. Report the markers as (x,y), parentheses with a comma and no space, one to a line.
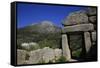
(94,36)
(78,17)
(80,27)
(87,41)
(65,47)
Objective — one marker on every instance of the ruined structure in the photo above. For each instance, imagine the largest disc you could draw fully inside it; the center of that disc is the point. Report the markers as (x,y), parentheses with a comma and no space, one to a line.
(80,22)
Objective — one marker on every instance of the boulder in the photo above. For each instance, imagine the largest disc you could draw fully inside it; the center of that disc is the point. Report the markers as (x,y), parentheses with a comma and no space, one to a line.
(21,56)
(35,56)
(48,55)
(78,17)
(79,27)
(44,55)
(58,53)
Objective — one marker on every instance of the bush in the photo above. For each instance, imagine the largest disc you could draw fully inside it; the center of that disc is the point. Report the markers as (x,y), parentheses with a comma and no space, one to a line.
(61,59)
(77,53)
(48,43)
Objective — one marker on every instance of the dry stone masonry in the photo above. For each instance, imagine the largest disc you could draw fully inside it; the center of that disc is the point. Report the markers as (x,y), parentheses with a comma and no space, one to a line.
(44,55)
(80,21)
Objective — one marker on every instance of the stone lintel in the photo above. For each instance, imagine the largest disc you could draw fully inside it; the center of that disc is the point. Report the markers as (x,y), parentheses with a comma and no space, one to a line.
(79,27)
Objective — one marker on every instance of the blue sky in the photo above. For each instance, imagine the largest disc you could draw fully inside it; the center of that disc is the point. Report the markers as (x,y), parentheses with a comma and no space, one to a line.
(28,14)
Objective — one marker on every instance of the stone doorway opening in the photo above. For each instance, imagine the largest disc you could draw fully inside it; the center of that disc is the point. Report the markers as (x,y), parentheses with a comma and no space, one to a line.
(76,45)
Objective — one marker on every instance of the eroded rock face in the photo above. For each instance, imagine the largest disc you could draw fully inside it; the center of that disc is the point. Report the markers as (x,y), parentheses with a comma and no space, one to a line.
(78,17)
(21,56)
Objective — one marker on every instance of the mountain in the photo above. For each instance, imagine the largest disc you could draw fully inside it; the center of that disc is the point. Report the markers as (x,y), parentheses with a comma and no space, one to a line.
(42,31)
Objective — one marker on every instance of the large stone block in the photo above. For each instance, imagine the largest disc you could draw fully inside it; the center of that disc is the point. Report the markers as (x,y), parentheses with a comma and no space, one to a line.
(94,36)
(87,40)
(92,19)
(48,55)
(35,56)
(58,53)
(44,55)
(78,17)
(65,47)
(21,56)
(80,27)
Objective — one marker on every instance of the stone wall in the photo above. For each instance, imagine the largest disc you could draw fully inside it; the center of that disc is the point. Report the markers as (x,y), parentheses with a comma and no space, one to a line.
(84,21)
(44,55)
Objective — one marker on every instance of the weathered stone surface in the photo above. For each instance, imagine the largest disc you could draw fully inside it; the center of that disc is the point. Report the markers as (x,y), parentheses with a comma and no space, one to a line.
(58,53)
(48,54)
(35,56)
(21,54)
(92,11)
(94,36)
(78,17)
(87,40)
(80,27)
(65,47)
(44,55)
(92,19)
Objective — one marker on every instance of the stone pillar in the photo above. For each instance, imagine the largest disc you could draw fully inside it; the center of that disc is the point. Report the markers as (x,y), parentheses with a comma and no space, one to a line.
(87,40)
(65,47)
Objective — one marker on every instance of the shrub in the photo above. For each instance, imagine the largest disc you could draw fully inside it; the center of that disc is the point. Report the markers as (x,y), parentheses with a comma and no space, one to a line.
(77,53)
(61,59)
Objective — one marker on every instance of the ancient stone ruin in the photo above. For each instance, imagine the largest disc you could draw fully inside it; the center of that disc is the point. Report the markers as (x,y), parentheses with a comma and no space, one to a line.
(44,55)
(83,23)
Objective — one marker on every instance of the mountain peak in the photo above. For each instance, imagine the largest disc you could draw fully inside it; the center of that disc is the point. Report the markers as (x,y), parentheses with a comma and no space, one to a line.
(47,23)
